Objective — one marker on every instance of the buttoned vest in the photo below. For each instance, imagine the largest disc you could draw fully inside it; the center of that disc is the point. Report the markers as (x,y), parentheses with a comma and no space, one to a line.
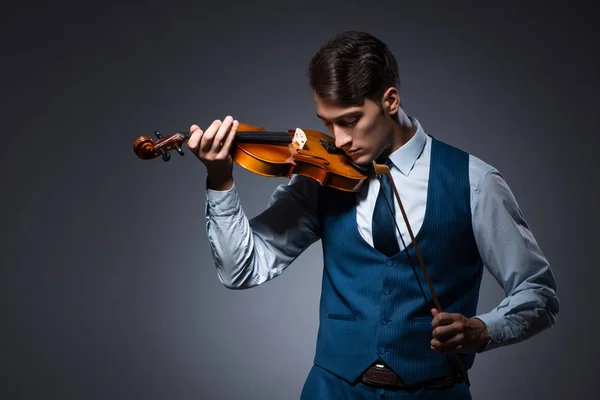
(371,305)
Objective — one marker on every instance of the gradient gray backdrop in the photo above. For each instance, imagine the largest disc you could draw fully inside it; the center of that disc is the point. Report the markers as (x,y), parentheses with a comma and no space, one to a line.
(107,285)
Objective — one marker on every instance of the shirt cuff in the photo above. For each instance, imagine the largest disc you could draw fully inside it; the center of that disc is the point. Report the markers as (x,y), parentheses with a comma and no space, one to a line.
(222,202)
(495,325)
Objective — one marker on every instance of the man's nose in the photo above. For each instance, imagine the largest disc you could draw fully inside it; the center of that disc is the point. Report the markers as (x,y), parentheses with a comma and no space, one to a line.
(342,139)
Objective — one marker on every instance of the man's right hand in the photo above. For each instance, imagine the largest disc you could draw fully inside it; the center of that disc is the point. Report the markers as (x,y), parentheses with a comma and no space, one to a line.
(213,148)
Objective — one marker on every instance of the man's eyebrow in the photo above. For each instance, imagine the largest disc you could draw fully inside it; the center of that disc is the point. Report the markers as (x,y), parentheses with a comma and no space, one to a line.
(348,114)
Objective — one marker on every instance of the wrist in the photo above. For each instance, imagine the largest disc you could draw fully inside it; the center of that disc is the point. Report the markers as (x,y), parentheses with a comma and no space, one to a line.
(219,183)
(480,331)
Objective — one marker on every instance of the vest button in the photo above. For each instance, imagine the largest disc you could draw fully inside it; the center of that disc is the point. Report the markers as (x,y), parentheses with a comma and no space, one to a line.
(381,350)
(389,263)
(387,290)
(385,321)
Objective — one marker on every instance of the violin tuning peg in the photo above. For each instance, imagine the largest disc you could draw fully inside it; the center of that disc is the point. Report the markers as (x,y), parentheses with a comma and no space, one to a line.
(158,135)
(178,148)
(165,155)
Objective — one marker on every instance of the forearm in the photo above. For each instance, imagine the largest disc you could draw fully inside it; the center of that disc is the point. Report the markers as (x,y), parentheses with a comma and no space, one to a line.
(230,240)
(529,309)
(250,252)
(233,244)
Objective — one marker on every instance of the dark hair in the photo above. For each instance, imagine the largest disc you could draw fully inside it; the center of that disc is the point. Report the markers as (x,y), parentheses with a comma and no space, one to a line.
(353,66)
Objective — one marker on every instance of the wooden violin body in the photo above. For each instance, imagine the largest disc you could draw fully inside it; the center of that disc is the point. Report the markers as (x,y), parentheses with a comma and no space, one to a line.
(275,154)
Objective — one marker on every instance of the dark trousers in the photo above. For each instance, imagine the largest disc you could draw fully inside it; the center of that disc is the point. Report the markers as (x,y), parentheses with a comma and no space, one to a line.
(323,385)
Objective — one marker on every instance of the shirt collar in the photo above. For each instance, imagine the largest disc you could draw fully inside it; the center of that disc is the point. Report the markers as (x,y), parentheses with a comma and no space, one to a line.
(405,157)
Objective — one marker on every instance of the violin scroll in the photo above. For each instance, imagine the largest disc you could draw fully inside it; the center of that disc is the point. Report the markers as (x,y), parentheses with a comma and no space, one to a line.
(146,148)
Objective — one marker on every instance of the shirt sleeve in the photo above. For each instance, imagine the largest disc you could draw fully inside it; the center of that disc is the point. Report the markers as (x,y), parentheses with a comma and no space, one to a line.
(249,252)
(513,257)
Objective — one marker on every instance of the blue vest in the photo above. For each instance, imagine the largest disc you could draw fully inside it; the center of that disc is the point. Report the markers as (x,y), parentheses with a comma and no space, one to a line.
(371,306)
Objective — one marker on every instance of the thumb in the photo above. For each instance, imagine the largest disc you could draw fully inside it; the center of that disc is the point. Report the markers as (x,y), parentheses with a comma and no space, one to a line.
(434,312)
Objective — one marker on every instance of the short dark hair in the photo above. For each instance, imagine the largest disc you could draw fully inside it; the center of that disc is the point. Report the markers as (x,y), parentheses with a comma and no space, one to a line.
(352,66)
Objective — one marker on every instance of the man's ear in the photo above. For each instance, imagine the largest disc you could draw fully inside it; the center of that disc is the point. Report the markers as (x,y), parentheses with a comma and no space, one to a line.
(391,101)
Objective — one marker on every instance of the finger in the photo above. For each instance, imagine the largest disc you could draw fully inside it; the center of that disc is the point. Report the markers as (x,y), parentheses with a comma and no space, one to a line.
(454,344)
(447,331)
(208,136)
(194,139)
(217,143)
(443,318)
(435,313)
(229,139)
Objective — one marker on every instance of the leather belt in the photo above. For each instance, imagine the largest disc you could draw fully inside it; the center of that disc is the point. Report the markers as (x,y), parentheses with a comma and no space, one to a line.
(380,376)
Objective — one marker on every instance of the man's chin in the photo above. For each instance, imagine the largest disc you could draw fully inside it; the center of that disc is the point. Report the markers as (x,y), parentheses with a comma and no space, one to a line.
(362,160)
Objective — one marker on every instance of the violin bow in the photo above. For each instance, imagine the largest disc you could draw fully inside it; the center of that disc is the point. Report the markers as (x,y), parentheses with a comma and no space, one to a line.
(382,169)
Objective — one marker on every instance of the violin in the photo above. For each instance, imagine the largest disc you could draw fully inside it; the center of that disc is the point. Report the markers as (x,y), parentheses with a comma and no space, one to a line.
(274,154)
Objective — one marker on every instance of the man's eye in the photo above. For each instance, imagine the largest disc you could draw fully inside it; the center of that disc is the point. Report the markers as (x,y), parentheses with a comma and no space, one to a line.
(350,122)
(344,122)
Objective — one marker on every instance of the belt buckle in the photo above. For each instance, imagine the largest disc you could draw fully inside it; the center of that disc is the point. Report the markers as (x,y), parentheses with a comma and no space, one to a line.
(378,375)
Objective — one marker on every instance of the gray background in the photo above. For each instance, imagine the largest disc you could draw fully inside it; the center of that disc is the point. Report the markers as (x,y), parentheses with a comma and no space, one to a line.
(107,286)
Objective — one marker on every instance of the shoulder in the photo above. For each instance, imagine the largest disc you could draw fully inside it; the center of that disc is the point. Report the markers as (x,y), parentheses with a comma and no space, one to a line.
(480,172)
(488,187)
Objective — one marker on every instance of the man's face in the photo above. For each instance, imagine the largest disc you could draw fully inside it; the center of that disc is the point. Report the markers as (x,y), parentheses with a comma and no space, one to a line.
(362,132)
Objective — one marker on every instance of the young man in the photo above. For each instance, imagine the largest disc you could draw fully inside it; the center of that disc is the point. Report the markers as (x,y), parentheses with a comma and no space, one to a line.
(380,333)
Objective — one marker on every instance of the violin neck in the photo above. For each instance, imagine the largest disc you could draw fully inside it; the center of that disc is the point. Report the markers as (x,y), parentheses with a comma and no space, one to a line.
(257,137)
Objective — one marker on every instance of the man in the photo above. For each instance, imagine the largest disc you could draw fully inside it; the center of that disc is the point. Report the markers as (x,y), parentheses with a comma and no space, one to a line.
(381,333)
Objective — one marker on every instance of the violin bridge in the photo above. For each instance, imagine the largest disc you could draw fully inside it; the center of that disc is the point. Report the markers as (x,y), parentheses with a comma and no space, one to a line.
(300,138)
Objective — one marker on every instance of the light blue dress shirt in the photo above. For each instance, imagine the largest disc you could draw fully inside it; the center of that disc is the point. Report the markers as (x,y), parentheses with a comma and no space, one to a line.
(250,252)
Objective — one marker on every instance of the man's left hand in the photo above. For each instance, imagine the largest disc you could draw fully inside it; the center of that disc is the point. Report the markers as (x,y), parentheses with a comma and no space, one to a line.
(453,332)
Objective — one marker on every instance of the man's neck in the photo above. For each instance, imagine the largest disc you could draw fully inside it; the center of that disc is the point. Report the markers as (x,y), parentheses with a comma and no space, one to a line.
(404,130)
